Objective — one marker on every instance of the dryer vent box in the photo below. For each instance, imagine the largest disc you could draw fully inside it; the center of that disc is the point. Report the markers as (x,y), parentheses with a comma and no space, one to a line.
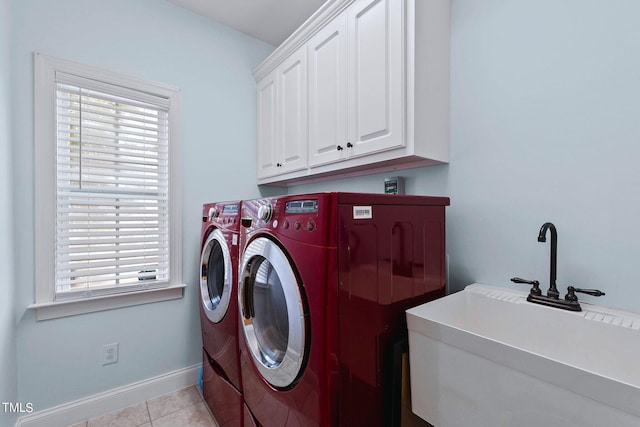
(394,185)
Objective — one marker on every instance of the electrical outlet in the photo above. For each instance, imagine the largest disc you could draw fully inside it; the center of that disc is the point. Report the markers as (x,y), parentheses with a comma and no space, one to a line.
(110,353)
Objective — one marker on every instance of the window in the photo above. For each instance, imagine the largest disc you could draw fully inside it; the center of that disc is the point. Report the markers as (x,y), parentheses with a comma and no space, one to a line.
(108,223)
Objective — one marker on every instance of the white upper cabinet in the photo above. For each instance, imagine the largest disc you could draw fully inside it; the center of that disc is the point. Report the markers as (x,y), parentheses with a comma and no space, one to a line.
(375,84)
(267,126)
(282,118)
(361,87)
(327,52)
(292,96)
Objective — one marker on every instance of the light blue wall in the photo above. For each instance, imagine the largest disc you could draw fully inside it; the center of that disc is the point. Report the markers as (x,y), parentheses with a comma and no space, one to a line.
(59,360)
(8,364)
(545,126)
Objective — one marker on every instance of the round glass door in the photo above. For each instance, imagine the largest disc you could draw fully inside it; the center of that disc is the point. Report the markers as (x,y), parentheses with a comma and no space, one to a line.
(273,314)
(215,276)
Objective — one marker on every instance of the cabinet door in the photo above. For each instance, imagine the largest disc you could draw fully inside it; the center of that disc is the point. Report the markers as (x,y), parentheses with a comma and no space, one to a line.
(292,113)
(327,93)
(375,69)
(267,127)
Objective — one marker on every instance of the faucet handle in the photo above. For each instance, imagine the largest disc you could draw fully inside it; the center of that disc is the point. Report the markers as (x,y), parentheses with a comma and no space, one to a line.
(571,293)
(535,289)
(594,292)
(525,281)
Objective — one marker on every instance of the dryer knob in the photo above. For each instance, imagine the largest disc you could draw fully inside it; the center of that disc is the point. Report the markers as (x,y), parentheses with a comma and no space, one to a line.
(265,212)
(213,212)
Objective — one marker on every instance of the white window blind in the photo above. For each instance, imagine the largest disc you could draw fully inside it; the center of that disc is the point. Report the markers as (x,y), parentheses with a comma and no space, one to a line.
(112,189)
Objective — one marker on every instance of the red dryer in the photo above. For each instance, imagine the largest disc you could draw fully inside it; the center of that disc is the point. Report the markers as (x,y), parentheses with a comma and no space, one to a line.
(324,282)
(222,386)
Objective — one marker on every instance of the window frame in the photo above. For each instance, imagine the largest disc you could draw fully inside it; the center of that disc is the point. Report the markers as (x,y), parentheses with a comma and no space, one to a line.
(46,306)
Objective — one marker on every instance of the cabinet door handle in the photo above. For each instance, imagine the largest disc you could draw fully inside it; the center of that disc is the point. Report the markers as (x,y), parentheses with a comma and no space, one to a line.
(339,148)
(349,145)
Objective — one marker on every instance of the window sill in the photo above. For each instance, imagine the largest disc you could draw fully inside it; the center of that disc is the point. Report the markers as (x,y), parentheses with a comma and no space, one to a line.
(55,309)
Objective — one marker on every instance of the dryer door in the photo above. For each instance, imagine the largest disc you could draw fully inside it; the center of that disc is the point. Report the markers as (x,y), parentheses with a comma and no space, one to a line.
(273,313)
(215,276)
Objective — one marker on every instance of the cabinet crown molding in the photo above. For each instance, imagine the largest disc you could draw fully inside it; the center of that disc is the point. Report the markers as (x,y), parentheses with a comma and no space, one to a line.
(318,20)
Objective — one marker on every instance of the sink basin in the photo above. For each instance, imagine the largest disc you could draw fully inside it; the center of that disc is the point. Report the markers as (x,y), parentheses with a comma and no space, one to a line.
(487,357)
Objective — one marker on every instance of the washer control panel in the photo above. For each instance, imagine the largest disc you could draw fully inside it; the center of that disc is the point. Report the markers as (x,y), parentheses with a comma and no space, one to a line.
(301,207)
(301,214)
(291,217)
(300,218)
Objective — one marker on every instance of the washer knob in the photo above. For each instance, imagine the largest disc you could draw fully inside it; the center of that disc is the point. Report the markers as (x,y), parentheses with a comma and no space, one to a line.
(311,225)
(265,212)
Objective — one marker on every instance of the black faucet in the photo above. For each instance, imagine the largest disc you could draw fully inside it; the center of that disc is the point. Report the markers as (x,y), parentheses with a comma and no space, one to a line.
(553,289)
(570,301)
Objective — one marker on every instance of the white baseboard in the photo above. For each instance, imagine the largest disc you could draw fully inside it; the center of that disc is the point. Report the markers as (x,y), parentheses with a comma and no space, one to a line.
(112,400)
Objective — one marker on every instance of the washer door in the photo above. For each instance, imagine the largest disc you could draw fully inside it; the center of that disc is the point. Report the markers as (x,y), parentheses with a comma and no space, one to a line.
(273,313)
(215,276)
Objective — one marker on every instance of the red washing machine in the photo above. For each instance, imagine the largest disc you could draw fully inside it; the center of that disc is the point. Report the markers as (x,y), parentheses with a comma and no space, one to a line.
(222,387)
(324,282)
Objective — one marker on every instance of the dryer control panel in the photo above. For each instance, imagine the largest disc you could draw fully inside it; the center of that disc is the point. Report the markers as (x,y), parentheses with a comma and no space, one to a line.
(222,214)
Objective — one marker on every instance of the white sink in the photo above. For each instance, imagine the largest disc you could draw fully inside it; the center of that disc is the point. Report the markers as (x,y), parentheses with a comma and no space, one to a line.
(487,357)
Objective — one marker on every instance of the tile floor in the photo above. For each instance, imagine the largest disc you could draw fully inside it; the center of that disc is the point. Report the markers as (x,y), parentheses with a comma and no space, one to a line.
(184,408)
